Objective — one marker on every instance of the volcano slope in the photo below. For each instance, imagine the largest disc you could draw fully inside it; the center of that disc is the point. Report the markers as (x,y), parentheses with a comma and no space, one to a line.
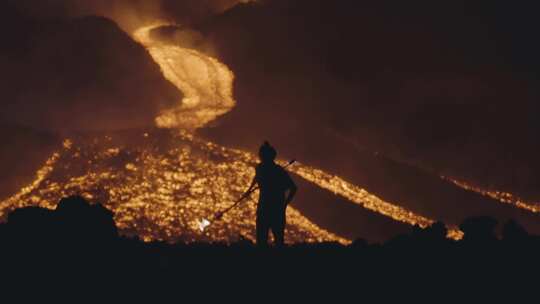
(339,124)
(158,190)
(160,185)
(407,186)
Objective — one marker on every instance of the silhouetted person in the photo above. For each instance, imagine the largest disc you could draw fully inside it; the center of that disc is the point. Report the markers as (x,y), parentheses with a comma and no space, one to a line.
(276,191)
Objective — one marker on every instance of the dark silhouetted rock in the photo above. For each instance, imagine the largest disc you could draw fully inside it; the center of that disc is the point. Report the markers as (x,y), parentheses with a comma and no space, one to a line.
(82,222)
(31,225)
(514,232)
(479,229)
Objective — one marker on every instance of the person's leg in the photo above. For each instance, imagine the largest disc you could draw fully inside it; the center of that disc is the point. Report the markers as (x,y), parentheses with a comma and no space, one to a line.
(278,228)
(262,228)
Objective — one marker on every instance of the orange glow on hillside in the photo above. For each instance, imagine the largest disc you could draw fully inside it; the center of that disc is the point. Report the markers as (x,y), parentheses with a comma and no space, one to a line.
(161,193)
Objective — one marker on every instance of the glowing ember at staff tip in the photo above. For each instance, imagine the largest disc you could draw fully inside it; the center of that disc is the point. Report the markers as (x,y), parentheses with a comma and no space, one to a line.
(203,224)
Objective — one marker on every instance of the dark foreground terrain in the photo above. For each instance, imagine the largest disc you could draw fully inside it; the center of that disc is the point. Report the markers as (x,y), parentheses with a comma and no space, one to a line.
(76,249)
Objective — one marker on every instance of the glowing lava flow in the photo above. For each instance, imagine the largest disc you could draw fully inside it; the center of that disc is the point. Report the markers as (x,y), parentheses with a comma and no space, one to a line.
(160,192)
(338,186)
(206,83)
(20,199)
(180,67)
(503,197)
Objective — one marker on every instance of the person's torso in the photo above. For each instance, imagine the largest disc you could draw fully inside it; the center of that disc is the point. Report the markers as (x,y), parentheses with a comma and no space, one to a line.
(272,181)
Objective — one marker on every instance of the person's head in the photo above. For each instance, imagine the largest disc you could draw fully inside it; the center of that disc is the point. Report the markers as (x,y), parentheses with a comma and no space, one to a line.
(267,153)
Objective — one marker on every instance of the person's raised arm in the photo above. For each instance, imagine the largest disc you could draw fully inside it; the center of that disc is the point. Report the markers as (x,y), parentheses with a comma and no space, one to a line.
(250,189)
(292,191)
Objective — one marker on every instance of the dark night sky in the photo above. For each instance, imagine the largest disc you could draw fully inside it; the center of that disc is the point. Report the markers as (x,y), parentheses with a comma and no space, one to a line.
(448,85)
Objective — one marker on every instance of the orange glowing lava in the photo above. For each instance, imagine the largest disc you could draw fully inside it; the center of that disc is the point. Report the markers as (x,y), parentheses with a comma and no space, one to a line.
(161,192)
(206,83)
(501,196)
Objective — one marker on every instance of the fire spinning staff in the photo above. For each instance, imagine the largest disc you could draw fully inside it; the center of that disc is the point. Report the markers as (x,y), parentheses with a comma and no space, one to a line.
(204,223)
